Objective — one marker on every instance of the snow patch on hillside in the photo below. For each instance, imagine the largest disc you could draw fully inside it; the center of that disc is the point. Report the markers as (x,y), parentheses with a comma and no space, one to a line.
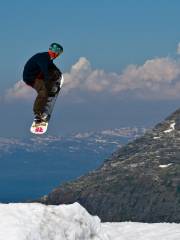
(165,165)
(171,128)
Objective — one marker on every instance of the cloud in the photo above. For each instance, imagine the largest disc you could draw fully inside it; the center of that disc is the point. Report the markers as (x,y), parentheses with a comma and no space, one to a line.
(83,77)
(19,91)
(157,78)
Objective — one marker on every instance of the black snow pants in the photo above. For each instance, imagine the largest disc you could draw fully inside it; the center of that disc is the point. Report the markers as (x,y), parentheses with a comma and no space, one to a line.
(43,90)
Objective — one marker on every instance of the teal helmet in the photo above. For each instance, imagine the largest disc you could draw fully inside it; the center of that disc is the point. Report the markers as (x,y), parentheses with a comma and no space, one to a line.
(56,47)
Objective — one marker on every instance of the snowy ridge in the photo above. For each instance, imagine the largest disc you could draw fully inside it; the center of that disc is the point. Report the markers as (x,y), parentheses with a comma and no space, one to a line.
(34,221)
(39,222)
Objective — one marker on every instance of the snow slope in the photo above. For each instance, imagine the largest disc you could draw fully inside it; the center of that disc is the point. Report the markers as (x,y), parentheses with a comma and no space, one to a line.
(33,221)
(141,231)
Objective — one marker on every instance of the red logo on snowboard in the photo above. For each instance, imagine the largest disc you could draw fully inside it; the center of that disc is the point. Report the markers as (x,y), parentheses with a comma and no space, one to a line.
(39,129)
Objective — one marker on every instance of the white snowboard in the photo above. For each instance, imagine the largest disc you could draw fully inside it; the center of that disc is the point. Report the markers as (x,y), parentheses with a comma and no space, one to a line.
(39,128)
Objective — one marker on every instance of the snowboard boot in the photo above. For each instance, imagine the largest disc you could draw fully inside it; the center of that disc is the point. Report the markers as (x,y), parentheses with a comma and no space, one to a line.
(37,118)
(45,117)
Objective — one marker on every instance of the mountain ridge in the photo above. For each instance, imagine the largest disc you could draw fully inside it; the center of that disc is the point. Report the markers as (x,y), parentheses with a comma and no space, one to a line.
(140,182)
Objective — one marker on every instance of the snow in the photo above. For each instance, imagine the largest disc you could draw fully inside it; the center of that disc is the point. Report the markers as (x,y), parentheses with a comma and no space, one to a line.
(156,137)
(165,165)
(34,221)
(142,231)
(171,128)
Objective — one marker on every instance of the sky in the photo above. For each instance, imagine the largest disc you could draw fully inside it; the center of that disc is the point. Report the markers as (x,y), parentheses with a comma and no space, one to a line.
(120,62)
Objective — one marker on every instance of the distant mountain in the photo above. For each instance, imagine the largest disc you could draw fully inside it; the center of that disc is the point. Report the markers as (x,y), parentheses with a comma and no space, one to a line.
(140,182)
(92,140)
(32,167)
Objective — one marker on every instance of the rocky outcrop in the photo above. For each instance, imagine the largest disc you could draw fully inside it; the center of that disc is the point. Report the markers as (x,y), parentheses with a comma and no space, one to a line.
(140,182)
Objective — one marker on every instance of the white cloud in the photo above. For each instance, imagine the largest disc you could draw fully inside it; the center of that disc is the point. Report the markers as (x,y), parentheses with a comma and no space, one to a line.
(19,91)
(77,76)
(83,77)
(157,78)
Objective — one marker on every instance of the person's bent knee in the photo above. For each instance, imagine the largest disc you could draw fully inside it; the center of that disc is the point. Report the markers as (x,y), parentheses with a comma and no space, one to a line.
(43,93)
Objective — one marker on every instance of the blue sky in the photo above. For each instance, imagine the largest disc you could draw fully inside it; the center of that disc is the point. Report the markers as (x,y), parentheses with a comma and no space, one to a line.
(118,55)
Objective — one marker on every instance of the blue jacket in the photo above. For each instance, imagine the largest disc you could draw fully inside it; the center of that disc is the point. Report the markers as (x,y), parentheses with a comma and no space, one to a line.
(38,65)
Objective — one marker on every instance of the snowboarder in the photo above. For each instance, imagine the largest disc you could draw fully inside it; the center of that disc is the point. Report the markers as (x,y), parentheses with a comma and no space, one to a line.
(41,74)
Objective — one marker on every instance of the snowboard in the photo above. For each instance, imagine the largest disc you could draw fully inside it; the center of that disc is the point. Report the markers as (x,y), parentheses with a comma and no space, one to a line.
(41,128)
